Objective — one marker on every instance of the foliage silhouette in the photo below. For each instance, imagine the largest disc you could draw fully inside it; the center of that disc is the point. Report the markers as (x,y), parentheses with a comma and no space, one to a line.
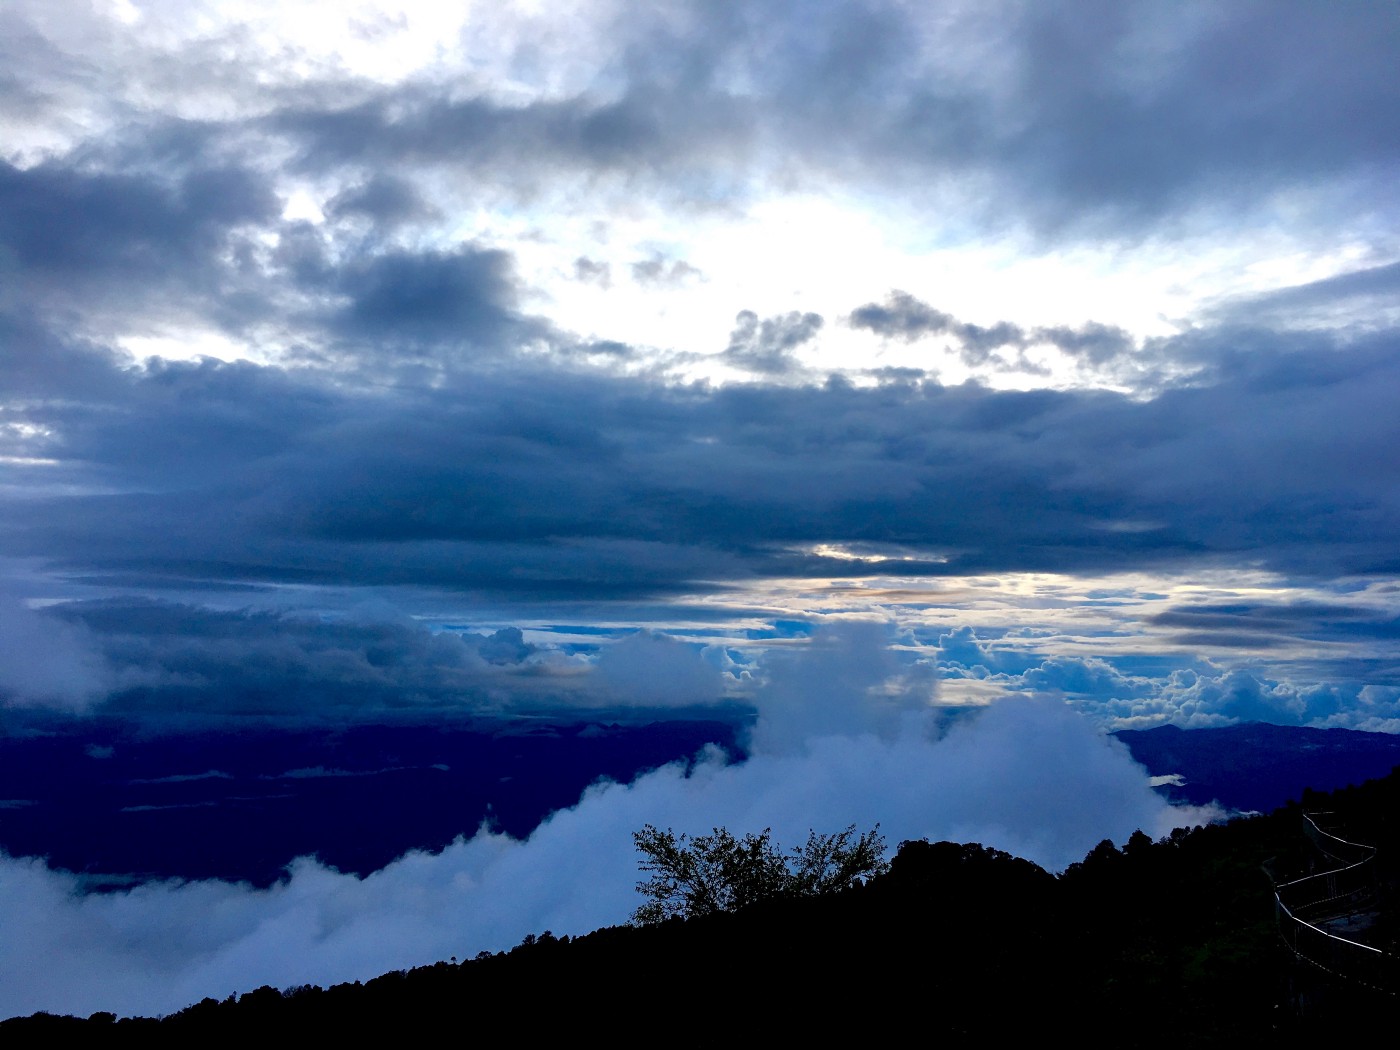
(714,873)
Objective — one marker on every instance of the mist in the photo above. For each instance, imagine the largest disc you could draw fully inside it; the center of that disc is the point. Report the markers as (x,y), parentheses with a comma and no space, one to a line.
(1027,776)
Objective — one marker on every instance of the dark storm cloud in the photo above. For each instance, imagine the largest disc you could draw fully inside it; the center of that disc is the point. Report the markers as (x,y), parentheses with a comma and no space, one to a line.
(37,363)
(169,426)
(1096,344)
(63,230)
(1271,616)
(1078,113)
(904,317)
(428,298)
(171,658)
(565,483)
(141,657)
(1126,110)
(109,250)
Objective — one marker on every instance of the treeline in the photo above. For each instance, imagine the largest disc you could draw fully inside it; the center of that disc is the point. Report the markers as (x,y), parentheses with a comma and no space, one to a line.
(1172,942)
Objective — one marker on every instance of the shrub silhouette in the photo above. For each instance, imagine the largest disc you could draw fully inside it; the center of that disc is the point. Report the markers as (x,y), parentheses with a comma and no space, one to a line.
(691,877)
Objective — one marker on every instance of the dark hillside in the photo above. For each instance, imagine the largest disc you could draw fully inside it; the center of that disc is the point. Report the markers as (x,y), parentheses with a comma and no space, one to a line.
(1161,943)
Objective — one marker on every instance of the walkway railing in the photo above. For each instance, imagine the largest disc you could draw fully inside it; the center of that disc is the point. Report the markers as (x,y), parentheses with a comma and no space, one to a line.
(1350,887)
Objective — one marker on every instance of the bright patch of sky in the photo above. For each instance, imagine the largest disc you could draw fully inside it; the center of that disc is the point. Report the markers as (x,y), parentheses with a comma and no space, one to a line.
(667,275)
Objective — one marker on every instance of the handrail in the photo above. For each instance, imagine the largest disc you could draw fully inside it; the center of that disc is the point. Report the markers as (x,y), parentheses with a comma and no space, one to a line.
(1364,964)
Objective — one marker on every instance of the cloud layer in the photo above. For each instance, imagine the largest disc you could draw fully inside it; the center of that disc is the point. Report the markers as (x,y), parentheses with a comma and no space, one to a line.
(371,359)
(1029,777)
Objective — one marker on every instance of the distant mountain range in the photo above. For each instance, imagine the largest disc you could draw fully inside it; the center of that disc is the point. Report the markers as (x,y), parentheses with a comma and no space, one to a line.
(1257,767)
(118,805)
(1160,944)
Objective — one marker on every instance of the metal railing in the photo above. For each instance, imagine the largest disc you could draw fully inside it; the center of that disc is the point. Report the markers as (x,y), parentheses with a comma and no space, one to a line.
(1349,888)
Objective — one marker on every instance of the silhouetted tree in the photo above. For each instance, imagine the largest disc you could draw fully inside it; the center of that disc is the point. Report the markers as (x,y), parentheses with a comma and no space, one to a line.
(721,873)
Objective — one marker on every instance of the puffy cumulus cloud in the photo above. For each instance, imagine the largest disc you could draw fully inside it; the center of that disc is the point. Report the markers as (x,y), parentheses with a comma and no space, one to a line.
(1088,676)
(1192,699)
(1134,686)
(1374,709)
(1210,696)
(962,653)
(845,682)
(46,662)
(656,670)
(1029,777)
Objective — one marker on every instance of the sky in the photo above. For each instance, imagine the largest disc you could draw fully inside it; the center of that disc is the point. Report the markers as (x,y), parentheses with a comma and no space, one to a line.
(850,361)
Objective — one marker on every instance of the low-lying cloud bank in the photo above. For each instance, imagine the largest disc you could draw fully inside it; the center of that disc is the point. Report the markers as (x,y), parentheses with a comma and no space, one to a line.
(150,659)
(45,662)
(1030,777)
(170,662)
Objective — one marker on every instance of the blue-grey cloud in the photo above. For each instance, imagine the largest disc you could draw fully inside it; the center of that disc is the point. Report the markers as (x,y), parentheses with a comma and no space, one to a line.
(1028,777)
(1366,297)
(659,270)
(428,299)
(524,481)
(1115,118)
(903,316)
(66,230)
(768,346)
(385,200)
(161,660)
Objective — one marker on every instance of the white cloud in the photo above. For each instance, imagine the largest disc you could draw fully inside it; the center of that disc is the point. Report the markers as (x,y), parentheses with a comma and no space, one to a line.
(45,662)
(1029,777)
(657,670)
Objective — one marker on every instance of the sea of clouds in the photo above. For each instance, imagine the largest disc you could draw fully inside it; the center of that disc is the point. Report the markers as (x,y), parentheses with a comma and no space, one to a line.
(846,735)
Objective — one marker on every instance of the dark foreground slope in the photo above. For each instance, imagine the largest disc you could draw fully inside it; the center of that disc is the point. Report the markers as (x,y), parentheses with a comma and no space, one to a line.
(1165,943)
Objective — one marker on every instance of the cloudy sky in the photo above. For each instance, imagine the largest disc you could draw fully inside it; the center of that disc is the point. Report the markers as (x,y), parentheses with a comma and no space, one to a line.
(494,357)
